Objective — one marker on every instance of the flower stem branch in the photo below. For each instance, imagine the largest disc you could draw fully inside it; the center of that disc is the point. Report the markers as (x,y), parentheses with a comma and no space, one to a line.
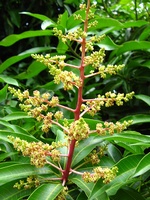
(76,172)
(61,126)
(66,108)
(54,166)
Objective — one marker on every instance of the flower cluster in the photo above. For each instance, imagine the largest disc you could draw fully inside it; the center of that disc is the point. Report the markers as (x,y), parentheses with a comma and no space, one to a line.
(56,65)
(93,157)
(109,69)
(76,35)
(37,105)
(111,128)
(37,151)
(92,106)
(78,130)
(105,173)
(32,181)
(63,194)
(95,59)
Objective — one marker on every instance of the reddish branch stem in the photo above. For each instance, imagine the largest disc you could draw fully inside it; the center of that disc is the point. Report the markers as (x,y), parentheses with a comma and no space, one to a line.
(79,101)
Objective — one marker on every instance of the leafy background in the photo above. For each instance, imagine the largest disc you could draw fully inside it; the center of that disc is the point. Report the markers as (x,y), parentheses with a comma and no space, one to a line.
(26,27)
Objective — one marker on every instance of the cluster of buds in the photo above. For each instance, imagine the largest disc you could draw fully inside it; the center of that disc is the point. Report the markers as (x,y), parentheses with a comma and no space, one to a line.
(93,157)
(95,59)
(37,151)
(78,130)
(37,105)
(92,106)
(63,194)
(31,182)
(56,65)
(76,35)
(105,173)
(111,128)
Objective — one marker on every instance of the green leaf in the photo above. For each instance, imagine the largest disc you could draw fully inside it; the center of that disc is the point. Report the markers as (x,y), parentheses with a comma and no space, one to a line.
(108,44)
(106,22)
(14,59)
(47,23)
(12,127)
(143,166)
(8,79)
(130,137)
(3,93)
(145,34)
(114,152)
(35,15)
(10,193)
(137,119)
(18,171)
(144,98)
(136,149)
(87,145)
(46,192)
(127,193)
(86,187)
(34,69)
(4,136)
(7,155)
(132,45)
(126,168)
(63,19)
(84,148)
(137,23)
(11,39)
(16,116)
(71,23)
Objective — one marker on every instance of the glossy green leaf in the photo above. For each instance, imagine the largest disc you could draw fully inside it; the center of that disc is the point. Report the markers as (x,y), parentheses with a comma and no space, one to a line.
(4,136)
(134,148)
(127,193)
(71,23)
(18,171)
(3,93)
(108,44)
(107,22)
(16,116)
(144,98)
(126,168)
(34,69)
(145,34)
(46,191)
(47,23)
(86,187)
(138,23)
(35,15)
(11,39)
(130,137)
(12,127)
(143,166)
(10,193)
(8,79)
(114,152)
(103,196)
(63,19)
(14,59)
(7,155)
(87,145)
(137,119)
(131,46)
(84,148)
